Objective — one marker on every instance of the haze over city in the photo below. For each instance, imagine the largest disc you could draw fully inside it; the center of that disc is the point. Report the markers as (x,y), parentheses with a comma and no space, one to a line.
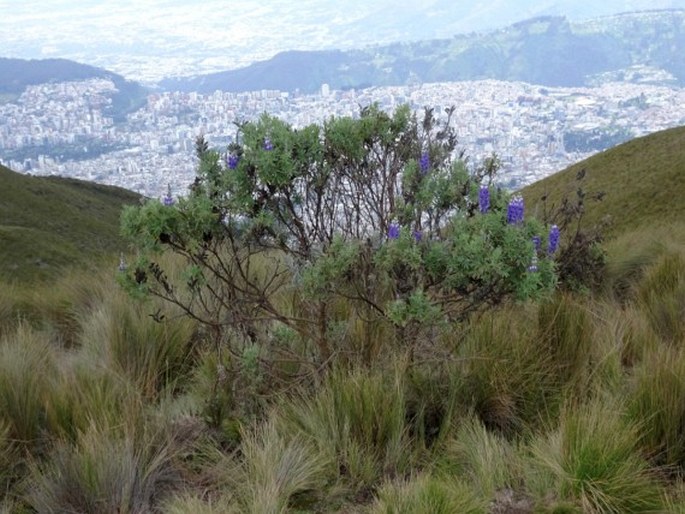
(552,92)
(152,39)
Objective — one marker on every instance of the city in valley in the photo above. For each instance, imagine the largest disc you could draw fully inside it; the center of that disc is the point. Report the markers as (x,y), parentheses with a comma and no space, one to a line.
(62,129)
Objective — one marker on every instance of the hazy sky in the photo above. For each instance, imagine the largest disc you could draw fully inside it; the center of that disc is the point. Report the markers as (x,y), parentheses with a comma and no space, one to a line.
(149,39)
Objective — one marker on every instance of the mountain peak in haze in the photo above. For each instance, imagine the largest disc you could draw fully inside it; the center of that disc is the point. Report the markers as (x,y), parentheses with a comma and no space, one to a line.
(546,50)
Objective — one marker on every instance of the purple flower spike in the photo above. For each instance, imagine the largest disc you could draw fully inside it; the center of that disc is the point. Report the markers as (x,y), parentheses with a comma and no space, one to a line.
(553,244)
(268,145)
(232,160)
(417,236)
(484,200)
(393,231)
(536,243)
(168,200)
(424,163)
(515,211)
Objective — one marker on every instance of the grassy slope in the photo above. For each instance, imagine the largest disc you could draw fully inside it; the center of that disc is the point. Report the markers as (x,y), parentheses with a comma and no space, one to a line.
(593,386)
(48,222)
(644,182)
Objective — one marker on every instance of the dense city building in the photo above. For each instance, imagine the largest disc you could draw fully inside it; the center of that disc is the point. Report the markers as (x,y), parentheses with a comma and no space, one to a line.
(63,129)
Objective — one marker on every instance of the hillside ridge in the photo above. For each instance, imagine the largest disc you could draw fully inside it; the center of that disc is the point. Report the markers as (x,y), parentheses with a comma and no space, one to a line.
(17,74)
(546,50)
(643,181)
(47,223)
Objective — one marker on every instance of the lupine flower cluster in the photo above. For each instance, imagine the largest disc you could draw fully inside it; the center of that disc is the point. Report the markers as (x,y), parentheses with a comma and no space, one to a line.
(168,199)
(232,161)
(515,211)
(537,242)
(268,145)
(424,163)
(553,243)
(484,199)
(393,231)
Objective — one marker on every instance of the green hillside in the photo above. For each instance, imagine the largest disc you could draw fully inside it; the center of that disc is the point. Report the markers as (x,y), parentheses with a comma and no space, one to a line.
(643,181)
(50,222)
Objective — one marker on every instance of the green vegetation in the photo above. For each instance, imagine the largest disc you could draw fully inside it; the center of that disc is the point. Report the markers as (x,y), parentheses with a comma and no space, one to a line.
(48,223)
(547,50)
(568,403)
(373,212)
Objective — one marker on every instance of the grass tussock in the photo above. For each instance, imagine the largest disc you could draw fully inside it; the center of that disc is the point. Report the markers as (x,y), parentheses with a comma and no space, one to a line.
(632,334)
(86,395)
(661,296)
(633,253)
(103,472)
(657,401)
(509,377)
(565,328)
(358,422)
(186,503)
(123,336)
(481,458)
(593,458)
(27,367)
(9,457)
(426,494)
(275,467)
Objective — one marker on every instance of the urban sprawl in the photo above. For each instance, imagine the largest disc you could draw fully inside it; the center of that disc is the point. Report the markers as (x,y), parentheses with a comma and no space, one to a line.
(527,126)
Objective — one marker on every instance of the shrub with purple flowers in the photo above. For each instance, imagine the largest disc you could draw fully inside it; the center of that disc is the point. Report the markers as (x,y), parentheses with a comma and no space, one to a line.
(336,212)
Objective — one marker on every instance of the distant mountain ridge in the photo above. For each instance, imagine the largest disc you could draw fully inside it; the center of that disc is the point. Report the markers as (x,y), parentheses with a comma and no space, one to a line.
(17,74)
(548,50)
